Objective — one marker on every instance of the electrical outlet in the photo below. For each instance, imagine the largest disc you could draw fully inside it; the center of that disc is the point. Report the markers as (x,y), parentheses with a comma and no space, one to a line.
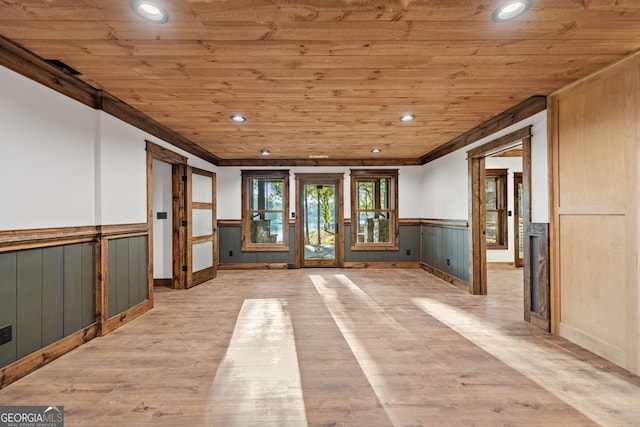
(408,251)
(5,334)
(230,253)
(448,261)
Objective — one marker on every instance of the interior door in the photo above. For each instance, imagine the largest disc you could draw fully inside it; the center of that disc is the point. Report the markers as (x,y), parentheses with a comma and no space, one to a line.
(319,220)
(518,221)
(201,226)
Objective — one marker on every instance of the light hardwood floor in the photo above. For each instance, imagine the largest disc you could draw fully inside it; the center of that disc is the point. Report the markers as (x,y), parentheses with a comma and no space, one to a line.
(331,347)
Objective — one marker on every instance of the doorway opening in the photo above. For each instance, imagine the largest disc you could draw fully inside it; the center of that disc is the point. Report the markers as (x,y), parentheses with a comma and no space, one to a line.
(181,213)
(320,220)
(504,223)
(534,237)
(168,238)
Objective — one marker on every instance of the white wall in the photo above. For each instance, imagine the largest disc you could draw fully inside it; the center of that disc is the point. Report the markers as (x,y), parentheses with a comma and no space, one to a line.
(445,185)
(46,157)
(123,172)
(230,188)
(64,164)
(513,164)
(162,228)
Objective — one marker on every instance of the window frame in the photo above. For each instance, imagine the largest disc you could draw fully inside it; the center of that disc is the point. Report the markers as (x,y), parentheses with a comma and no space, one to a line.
(502,237)
(247,177)
(394,228)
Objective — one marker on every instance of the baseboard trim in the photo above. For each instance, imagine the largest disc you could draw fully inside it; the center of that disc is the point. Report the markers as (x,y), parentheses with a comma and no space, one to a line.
(126,316)
(446,277)
(253,266)
(20,368)
(501,265)
(163,282)
(594,344)
(374,265)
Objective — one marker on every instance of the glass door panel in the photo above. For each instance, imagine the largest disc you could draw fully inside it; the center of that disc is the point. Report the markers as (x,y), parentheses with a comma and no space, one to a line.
(319,224)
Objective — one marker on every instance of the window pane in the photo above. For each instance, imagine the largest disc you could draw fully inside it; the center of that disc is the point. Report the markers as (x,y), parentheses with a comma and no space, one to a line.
(383,196)
(268,229)
(491,198)
(491,227)
(373,228)
(365,195)
(266,194)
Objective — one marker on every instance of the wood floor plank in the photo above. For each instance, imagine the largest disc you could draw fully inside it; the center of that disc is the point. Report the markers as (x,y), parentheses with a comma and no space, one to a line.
(372,348)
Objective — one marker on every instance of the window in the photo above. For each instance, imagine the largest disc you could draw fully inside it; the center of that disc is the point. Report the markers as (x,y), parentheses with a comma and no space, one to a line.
(265,210)
(374,214)
(496,208)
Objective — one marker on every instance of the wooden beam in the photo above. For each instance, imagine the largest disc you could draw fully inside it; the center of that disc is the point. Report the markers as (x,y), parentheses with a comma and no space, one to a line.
(503,120)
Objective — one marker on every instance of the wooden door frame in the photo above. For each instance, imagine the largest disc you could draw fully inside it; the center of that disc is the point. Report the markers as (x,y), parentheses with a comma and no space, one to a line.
(320,178)
(476,163)
(179,241)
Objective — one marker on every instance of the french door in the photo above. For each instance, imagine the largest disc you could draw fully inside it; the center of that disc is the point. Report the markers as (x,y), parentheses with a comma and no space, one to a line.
(201,226)
(320,220)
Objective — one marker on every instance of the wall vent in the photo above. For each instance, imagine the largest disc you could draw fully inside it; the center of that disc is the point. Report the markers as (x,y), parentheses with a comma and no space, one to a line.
(62,66)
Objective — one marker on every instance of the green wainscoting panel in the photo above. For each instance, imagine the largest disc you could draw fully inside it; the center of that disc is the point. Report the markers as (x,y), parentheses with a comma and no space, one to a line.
(446,249)
(88,283)
(52,295)
(72,289)
(28,331)
(127,273)
(8,297)
(230,244)
(408,240)
(112,268)
(122,274)
(45,294)
(137,276)
(79,278)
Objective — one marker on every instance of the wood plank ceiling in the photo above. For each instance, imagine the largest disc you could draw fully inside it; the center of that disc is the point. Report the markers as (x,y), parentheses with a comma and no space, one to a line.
(325,77)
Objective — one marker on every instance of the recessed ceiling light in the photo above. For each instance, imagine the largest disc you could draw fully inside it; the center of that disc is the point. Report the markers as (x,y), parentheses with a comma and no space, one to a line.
(238,118)
(149,11)
(265,152)
(511,9)
(407,117)
(376,150)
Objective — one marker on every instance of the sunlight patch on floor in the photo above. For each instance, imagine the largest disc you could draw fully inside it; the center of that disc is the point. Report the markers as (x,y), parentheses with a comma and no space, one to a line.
(375,308)
(340,315)
(599,395)
(258,381)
